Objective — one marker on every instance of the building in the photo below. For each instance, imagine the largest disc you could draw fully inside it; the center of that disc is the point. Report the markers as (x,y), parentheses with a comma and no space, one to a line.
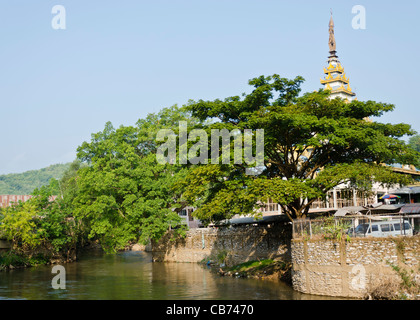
(8,200)
(336,80)
(338,83)
(188,219)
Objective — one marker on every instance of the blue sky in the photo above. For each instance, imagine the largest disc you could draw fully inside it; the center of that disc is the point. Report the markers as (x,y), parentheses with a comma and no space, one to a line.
(120,60)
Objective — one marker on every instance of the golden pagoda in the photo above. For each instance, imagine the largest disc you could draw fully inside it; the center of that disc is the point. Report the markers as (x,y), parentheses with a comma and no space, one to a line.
(336,80)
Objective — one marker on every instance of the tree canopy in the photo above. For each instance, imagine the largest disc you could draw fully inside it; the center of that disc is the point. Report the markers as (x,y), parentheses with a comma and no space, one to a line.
(124,195)
(311,144)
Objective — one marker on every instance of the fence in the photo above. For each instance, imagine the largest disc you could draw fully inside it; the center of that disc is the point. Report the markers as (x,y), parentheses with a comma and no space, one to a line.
(356,226)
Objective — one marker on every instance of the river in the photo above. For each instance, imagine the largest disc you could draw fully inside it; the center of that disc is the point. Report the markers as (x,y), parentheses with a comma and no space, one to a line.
(133,276)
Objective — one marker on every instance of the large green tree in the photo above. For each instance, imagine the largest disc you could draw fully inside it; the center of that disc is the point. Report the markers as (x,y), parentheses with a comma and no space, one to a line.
(311,144)
(124,195)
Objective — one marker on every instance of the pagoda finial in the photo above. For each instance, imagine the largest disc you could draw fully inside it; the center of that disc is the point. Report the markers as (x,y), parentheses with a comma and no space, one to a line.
(331,41)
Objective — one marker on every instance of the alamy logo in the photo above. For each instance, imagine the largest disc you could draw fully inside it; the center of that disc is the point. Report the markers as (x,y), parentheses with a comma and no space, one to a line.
(199,151)
(358,279)
(359,20)
(59,281)
(59,20)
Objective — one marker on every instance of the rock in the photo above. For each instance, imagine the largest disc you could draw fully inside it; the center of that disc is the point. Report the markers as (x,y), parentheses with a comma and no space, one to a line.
(137,247)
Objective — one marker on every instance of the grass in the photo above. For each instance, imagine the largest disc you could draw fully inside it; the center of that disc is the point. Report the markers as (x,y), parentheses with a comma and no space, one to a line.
(260,269)
(10,260)
(251,265)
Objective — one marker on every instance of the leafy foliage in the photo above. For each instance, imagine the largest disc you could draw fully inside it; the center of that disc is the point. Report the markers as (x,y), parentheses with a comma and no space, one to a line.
(334,229)
(124,195)
(311,144)
(18,225)
(39,222)
(116,193)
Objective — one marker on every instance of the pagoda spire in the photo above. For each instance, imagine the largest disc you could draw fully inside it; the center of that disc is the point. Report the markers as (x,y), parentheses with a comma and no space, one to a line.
(336,80)
(331,42)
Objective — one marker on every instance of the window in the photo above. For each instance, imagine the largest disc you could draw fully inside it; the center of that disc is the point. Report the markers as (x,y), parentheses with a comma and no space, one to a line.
(362,228)
(406,226)
(374,228)
(386,228)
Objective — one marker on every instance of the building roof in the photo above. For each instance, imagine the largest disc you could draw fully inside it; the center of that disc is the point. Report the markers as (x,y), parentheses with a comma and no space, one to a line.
(252,220)
(411,208)
(349,210)
(407,190)
(377,209)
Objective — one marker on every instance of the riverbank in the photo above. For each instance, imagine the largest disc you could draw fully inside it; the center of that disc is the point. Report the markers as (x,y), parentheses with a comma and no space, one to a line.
(266,269)
(14,260)
(10,260)
(18,259)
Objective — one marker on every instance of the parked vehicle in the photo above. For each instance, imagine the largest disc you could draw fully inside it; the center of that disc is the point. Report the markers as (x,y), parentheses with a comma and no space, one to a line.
(382,229)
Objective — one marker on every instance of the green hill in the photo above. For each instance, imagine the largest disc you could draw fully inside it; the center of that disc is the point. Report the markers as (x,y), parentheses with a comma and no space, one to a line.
(26,182)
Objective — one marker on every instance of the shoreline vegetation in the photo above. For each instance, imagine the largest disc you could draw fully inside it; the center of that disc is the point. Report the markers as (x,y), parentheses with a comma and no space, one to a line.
(18,259)
(10,260)
(263,269)
(266,269)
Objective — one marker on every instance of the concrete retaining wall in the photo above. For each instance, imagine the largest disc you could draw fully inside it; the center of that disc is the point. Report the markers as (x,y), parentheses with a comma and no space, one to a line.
(341,269)
(320,267)
(241,244)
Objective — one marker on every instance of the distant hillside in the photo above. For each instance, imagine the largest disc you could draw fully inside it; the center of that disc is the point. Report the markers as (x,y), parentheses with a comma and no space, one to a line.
(26,182)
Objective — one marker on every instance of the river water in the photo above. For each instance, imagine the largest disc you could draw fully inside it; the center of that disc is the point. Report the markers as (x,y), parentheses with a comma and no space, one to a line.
(133,275)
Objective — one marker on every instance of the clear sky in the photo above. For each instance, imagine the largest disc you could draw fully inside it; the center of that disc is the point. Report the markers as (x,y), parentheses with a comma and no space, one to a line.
(120,60)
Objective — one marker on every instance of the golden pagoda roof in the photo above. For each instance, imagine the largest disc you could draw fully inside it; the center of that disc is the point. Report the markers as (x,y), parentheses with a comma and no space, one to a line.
(343,89)
(334,68)
(330,78)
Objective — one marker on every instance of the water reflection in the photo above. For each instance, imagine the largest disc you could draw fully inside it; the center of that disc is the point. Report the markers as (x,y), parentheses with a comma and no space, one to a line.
(133,275)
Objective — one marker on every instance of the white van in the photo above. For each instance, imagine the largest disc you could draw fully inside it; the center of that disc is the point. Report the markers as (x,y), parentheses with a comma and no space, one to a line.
(383,229)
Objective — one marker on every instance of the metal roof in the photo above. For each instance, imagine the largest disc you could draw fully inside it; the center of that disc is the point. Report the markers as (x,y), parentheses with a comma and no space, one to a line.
(411,208)
(349,210)
(252,220)
(407,190)
(383,208)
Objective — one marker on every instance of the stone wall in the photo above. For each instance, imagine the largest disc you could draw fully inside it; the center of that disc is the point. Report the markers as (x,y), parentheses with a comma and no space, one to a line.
(320,267)
(347,269)
(240,244)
